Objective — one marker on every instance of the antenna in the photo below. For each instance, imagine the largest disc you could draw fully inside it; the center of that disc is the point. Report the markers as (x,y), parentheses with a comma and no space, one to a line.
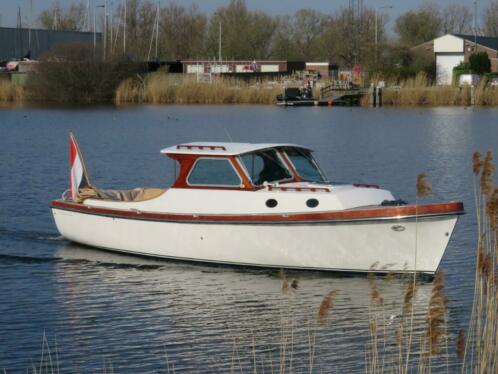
(112,25)
(20,32)
(155,34)
(54,22)
(30,18)
(87,21)
(227,133)
(219,41)
(157,28)
(475,26)
(105,29)
(124,28)
(356,23)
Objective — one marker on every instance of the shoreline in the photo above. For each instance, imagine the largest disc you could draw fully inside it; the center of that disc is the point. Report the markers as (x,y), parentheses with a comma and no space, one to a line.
(166,89)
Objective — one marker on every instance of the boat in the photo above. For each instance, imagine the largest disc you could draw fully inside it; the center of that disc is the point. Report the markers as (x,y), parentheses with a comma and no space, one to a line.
(257,205)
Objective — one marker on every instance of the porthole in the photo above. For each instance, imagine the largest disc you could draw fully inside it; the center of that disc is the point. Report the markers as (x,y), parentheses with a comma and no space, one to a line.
(312,203)
(271,203)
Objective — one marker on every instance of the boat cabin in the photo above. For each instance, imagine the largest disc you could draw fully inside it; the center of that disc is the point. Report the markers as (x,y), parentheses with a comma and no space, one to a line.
(242,166)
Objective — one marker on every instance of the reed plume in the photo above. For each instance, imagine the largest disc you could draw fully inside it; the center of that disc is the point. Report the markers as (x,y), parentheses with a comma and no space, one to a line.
(285,281)
(492,209)
(424,187)
(476,163)
(460,345)
(410,291)
(326,306)
(436,318)
(486,175)
(375,295)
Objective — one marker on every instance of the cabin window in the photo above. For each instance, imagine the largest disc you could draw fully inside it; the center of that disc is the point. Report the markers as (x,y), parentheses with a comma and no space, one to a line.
(305,165)
(265,166)
(214,172)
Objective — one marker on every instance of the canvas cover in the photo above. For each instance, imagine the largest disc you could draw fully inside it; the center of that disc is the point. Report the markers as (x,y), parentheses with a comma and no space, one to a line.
(136,194)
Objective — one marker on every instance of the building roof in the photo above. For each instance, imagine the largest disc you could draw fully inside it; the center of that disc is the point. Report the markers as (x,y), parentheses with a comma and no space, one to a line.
(223,148)
(486,41)
(15,42)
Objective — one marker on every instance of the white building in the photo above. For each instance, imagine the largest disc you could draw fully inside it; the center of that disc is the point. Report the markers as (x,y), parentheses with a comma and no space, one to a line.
(452,49)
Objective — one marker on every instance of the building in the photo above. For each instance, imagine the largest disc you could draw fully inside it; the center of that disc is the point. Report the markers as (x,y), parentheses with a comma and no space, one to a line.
(255,67)
(228,67)
(16,43)
(452,49)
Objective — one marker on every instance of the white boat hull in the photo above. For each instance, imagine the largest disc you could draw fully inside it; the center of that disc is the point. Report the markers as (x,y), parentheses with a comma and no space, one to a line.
(383,245)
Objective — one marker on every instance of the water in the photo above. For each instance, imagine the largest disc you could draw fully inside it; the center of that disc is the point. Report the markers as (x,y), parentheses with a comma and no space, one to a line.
(108,312)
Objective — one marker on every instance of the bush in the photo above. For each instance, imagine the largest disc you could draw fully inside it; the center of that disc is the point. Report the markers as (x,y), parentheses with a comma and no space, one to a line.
(74,73)
(491,75)
(398,63)
(462,68)
(480,63)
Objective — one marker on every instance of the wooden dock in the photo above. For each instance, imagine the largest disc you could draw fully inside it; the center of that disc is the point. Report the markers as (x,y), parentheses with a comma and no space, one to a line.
(336,95)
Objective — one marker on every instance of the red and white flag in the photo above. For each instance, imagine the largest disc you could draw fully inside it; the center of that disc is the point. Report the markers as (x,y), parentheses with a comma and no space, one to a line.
(78,177)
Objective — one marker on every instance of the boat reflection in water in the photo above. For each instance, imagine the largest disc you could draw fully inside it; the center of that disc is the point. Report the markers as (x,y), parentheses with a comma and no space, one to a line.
(135,311)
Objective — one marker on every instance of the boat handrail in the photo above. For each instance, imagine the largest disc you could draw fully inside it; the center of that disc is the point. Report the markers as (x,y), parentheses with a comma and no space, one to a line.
(201,147)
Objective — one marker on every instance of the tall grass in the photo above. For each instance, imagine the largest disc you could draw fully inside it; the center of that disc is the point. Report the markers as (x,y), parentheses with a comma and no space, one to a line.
(161,88)
(480,353)
(420,91)
(10,91)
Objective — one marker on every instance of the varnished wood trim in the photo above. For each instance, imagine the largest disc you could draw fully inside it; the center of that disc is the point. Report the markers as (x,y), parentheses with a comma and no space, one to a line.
(378,213)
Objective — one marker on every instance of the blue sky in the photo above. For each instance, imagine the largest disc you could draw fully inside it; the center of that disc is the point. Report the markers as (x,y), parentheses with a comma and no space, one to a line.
(8,8)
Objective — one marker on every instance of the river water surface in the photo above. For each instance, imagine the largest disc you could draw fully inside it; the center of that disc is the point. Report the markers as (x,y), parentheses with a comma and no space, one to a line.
(103,312)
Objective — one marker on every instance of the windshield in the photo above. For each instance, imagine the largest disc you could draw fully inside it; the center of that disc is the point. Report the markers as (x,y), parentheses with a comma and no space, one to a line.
(265,166)
(305,165)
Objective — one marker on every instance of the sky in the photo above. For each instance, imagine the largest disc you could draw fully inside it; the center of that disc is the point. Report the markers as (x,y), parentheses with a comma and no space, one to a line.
(8,8)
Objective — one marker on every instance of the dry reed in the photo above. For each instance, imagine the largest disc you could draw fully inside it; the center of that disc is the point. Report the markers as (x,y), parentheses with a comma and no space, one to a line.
(419,91)
(460,344)
(285,281)
(10,91)
(424,187)
(410,291)
(436,319)
(480,351)
(161,88)
(326,306)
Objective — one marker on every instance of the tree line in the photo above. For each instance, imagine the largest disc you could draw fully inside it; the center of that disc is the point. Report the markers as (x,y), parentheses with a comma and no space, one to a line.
(342,37)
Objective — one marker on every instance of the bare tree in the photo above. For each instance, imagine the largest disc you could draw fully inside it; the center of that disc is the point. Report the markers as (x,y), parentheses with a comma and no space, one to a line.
(418,26)
(308,27)
(70,18)
(491,19)
(456,19)
(183,32)
(283,46)
(245,34)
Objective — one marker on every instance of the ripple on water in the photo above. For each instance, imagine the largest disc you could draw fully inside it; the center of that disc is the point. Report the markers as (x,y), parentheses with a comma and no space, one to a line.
(142,315)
